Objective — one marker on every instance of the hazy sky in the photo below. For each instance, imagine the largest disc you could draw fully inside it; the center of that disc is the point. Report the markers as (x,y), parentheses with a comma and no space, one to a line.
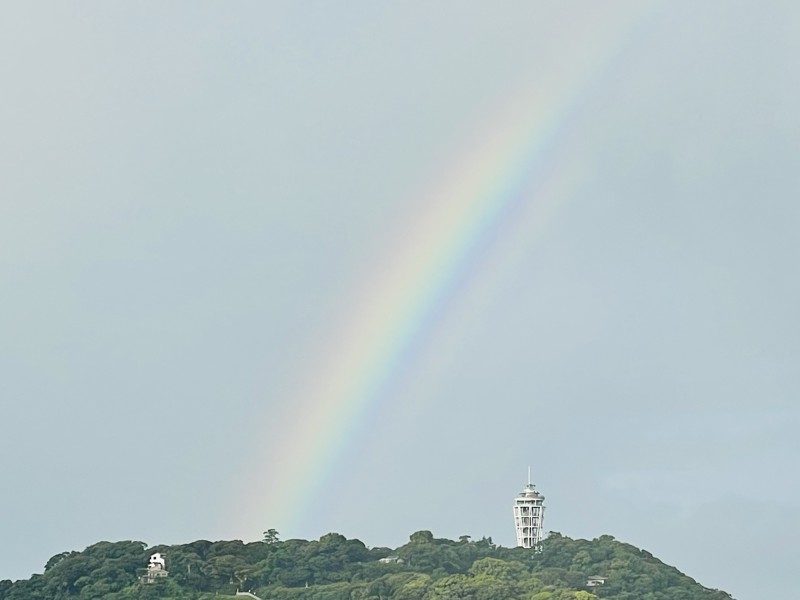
(195,195)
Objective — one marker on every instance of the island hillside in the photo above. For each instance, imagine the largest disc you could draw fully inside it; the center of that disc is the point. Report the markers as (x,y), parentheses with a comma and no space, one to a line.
(337,568)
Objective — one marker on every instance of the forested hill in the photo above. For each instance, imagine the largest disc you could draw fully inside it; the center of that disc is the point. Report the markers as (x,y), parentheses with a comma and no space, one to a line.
(335,568)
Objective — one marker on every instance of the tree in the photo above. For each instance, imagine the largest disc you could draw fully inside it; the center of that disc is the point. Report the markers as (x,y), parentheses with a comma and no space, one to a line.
(270,536)
(57,559)
(421,537)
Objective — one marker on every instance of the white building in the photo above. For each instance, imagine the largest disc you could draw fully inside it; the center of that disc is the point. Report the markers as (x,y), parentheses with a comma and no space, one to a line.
(156,569)
(529,516)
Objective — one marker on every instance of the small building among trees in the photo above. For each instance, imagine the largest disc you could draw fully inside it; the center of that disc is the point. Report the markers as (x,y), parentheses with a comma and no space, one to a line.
(156,569)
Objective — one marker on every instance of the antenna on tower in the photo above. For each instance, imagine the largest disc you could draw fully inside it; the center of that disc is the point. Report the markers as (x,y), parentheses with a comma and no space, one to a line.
(529,474)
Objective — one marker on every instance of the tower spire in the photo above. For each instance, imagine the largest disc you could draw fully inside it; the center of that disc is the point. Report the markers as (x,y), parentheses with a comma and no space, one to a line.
(529,516)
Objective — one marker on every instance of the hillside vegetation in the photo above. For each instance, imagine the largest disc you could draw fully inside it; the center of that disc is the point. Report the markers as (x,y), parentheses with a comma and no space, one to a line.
(336,568)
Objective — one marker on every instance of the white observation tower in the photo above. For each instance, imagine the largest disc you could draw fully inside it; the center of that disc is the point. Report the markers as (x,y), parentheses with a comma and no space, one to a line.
(529,516)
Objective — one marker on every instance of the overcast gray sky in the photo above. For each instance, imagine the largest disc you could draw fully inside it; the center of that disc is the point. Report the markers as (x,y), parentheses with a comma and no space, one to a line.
(194,194)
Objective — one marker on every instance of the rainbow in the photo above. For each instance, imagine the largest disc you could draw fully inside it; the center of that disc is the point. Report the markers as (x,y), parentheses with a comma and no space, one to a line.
(392,315)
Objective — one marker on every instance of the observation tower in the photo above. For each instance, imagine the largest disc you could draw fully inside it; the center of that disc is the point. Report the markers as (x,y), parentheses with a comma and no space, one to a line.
(529,516)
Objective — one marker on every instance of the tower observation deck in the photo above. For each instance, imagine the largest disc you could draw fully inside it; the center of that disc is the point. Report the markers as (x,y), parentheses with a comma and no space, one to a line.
(529,516)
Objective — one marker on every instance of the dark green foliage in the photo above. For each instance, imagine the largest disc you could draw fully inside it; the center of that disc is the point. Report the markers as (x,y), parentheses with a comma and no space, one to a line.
(335,568)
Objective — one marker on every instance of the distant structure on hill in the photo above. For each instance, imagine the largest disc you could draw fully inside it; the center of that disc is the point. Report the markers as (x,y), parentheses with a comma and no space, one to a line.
(156,569)
(529,516)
